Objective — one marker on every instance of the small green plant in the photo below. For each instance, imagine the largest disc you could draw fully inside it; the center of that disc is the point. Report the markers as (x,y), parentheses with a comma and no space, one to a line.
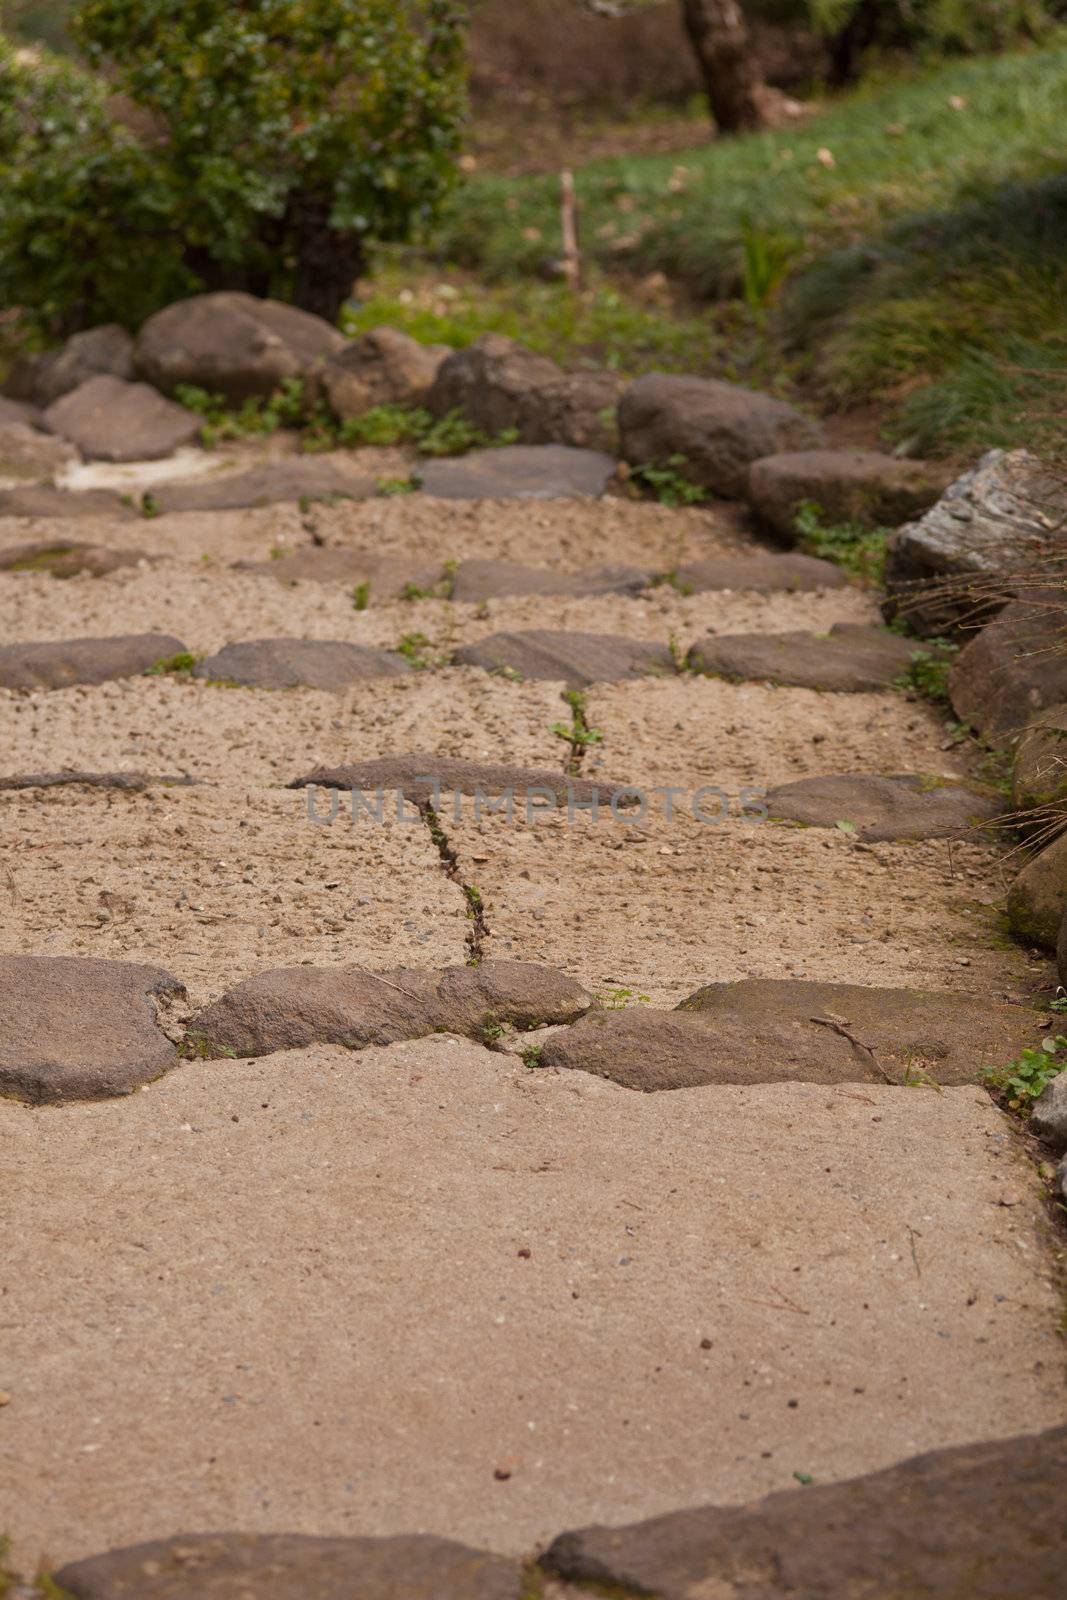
(149,506)
(1020,1082)
(492,1031)
(618,999)
(388,488)
(851,545)
(531,1055)
(667,483)
(765,262)
(413,647)
(285,408)
(927,673)
(383,426)
(180,665)
(672,580)
(577,733)
(475,903)
(1059,1004)
(361,596)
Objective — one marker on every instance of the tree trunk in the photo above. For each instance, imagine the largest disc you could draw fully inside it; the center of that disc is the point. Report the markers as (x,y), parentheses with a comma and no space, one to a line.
(328,262)
(732,77)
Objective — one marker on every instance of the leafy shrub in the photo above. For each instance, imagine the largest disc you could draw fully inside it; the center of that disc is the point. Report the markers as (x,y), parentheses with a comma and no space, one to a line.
(278,138)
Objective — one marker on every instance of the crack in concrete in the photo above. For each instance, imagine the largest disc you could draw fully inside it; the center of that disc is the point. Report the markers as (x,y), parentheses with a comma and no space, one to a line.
(478,932)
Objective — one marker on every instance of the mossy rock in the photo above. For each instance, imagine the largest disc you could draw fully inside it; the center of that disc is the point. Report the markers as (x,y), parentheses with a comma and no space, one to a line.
(1038,897)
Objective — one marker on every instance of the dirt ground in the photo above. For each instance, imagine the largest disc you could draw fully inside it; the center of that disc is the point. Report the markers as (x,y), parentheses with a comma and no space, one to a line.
(294,1293)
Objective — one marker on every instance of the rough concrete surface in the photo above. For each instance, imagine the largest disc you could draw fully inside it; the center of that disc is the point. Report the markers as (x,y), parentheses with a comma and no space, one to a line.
(289,1293)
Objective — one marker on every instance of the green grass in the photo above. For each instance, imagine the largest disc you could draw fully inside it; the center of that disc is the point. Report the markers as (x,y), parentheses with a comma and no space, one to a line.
(610,323)
(920,265)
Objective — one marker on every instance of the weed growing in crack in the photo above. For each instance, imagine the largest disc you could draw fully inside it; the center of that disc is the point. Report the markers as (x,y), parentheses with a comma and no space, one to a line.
(361,596)
(531,1055)
(578,733)
(180,665)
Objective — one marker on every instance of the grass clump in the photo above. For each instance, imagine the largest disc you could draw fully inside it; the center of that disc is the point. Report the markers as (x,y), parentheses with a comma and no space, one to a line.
(180,665)
(1021,1082)
(413,647)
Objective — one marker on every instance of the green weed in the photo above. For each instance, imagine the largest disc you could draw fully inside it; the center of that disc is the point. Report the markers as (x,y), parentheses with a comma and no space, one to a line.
(859,550)
(180,665)
(1021,1082)
(578,733)
(413,647)
(928,672)
(361,596)
(666,482)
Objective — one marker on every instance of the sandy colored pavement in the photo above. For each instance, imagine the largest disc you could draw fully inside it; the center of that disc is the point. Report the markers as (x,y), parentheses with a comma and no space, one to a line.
(289,1293)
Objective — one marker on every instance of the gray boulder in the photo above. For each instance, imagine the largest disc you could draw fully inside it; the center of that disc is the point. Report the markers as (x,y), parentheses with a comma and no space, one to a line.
(498,385)
(1039,776)
(1037,899)
(111,420)
(1014,669)
(99,352)
(293,478)
(861,486)
(1048,1114)
(719,428)
(26,453)
(1005,517)
(381,367)
(233,345)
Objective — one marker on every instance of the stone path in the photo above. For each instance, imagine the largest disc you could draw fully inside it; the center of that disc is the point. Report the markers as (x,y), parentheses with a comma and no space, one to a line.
(295,1249)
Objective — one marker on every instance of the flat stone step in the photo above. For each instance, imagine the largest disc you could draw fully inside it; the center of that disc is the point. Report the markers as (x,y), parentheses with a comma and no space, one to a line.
(853,658)
(519,472)
(981,1520)
(331,664)
(436,778)
(77,1029)
(386,577)
(292,1007)
(68,560)
(479,580)
(762,574)
(618,1269)
(293,479)
(54,664)
(127,781)
(766,1030)
(577,659)
(293,1566)
(41,500)
(903,806)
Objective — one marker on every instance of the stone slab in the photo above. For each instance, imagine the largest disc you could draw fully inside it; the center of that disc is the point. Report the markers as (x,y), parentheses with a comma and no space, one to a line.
(292,1293)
